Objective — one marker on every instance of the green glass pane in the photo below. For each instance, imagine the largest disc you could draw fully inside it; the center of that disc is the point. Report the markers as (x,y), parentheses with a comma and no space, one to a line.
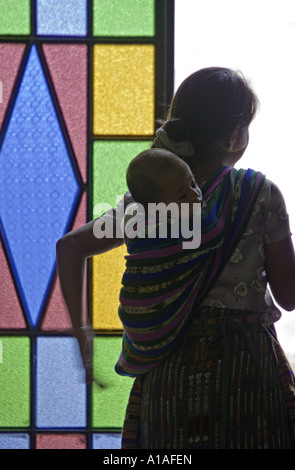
(14,382)
(110,162)
(124,18)
(15,17)
(108,403)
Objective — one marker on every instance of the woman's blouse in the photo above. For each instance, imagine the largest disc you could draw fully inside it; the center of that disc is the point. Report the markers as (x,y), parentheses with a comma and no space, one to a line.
(242,284)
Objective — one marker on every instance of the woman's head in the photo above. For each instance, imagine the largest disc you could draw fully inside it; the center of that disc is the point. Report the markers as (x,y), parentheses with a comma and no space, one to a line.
(211,108)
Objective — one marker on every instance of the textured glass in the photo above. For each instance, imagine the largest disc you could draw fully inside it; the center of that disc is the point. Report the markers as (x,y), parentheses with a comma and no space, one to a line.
(68,68)
(15,382)
(123,89)
(123,18)
(14,441)
(110,162)
(56,315)
(62,18)
(108,404)
(60,384)
(38,188)
(48,186)
(106,441)
(15,17)
(11,315)
(60,441)
(10,59)
(105,295)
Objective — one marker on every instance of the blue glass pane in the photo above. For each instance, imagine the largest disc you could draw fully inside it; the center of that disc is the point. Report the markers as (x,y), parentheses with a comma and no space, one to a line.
(62,18)
(38,188)
(60,384)
(14,441)
(106,441)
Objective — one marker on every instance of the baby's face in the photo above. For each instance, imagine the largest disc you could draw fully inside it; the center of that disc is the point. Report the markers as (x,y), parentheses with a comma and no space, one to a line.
(179,186)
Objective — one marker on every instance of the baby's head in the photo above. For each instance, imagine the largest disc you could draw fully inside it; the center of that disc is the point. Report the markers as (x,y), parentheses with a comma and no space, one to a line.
(157,175)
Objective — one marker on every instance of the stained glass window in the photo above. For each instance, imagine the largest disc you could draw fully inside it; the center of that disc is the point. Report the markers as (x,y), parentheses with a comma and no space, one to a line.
(124,18)
(81,84)
(15,17)
(66,18)
(123,89)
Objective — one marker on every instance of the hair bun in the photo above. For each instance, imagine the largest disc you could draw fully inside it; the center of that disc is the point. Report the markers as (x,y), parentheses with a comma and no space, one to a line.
(176,130)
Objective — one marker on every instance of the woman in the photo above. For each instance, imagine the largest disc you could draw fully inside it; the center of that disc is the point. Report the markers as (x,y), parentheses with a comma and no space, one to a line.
(225,382)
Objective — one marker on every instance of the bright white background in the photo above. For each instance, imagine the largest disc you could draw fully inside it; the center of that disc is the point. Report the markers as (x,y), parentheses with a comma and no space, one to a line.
(258,38)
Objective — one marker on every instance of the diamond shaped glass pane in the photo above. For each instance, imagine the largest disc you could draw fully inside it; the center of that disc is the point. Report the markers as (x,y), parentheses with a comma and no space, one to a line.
(38,188)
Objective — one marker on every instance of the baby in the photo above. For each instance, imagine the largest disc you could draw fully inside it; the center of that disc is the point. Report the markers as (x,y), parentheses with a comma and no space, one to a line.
(159,176)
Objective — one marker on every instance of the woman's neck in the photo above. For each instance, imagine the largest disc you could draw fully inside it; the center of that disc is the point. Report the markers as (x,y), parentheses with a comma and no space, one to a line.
(203,172)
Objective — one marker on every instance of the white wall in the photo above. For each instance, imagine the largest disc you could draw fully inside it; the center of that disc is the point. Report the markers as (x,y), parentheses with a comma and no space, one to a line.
(258,38)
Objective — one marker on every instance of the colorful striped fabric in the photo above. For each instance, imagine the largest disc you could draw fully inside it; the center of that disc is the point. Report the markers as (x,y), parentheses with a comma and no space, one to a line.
(163,283)
(227,386)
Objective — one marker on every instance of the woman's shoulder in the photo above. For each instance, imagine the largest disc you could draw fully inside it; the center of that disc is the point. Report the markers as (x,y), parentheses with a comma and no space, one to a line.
(271,193)
(271,205)
(270,190)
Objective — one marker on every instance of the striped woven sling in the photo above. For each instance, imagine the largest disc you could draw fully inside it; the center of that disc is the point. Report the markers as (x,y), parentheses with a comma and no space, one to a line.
(163,283)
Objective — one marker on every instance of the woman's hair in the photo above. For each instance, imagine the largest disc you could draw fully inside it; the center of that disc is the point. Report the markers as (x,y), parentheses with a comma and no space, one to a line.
(208,106)
(144,174)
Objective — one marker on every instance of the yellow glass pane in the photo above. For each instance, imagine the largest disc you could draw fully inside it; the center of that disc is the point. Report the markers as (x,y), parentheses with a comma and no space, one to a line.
(107,271)
(124,77)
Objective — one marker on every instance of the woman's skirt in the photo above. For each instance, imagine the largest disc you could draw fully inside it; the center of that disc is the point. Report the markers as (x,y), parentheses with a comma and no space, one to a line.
(227,386)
